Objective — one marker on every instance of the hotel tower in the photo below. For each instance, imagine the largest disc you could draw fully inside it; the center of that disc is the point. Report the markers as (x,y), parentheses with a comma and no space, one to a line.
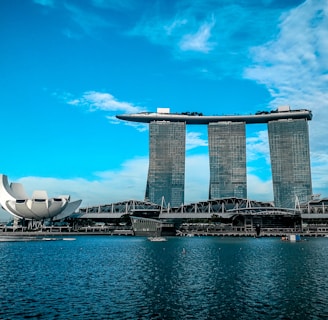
(166,173)
(290,161)
(227,153)
(289,152)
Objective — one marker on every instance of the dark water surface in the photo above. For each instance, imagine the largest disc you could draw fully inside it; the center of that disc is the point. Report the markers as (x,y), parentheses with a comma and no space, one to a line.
(103,277)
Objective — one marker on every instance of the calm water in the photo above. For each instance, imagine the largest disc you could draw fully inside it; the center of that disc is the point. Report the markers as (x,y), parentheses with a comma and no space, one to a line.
(99,277)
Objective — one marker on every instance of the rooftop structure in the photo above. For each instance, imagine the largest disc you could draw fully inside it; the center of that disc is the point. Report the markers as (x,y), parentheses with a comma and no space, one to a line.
(199,118)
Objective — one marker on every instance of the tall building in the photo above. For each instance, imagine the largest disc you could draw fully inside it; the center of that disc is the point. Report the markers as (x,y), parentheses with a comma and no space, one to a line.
(289,150)
(166,174)
(290,161)
(227,154)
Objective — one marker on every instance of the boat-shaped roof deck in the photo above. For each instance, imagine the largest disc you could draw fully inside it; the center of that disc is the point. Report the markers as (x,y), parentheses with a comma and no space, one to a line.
(198,118)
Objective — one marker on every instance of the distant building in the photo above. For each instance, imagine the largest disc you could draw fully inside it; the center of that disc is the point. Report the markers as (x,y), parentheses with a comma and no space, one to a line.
(290,161)
(289,151)
(227,154)
(166,174)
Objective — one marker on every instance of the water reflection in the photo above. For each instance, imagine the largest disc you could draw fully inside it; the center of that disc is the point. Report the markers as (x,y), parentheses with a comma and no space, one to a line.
(183,278)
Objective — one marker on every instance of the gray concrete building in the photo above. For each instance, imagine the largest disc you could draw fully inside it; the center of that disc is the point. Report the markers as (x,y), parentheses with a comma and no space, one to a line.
(290,161)
(166,173)
(289,151)
(227,155)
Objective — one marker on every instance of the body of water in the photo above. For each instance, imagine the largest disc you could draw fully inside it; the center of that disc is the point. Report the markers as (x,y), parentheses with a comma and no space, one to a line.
(103,277)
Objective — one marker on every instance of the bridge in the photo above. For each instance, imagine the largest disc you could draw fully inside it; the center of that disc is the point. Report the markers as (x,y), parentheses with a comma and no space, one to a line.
(224,208)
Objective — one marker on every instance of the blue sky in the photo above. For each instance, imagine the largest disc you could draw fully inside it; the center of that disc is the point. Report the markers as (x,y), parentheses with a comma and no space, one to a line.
(68,67)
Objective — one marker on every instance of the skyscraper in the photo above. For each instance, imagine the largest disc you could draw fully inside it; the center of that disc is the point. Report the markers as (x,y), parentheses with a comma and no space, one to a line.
(166,174)
(289,151)
(227,154)
(290,161)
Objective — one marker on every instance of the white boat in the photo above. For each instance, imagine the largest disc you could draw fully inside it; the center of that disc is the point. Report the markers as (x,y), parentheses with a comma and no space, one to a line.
(16,239)
(49,239)
(157,239)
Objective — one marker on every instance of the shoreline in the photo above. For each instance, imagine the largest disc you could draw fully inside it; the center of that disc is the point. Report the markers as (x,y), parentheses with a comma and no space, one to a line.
(130,233)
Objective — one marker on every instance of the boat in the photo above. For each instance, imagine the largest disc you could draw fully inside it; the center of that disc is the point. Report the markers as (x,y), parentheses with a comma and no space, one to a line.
(17,238)
(157,239)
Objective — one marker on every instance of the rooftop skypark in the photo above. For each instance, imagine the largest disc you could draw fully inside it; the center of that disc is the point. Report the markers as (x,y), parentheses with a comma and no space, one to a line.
(163,114)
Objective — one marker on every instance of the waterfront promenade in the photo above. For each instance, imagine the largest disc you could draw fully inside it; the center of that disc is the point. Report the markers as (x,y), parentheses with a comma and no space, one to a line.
(269,232)
(266,233)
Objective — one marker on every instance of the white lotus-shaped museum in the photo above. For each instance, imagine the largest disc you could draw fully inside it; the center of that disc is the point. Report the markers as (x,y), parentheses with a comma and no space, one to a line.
(14,200)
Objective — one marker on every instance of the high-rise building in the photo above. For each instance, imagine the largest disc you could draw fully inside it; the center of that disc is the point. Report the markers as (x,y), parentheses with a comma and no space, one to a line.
(289,151)
(227,154)
(166,174)
(290,161)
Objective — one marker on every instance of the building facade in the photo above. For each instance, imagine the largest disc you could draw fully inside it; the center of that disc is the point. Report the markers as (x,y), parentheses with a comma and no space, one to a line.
(290,161)
(289,151)
(227,157)
(166,173)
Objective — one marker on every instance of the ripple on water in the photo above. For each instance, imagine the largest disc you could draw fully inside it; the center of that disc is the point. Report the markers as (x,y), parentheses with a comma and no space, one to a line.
(131,278)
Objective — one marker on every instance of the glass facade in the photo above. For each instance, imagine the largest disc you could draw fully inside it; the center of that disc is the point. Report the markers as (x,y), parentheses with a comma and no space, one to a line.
(227,152)
(290,161)
(166,174)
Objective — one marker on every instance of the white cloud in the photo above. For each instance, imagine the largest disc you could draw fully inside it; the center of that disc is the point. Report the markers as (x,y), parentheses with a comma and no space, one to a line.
(113,120)
(46,3)
(197,178)
(258,189)
(199,41)
(172,26)
(319,168)
(225,36)
(129,182)
(105,102)
(141,127)
(296,61)
(102,101)
(87,21)
(258,146)
(194,140)
(294,68)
